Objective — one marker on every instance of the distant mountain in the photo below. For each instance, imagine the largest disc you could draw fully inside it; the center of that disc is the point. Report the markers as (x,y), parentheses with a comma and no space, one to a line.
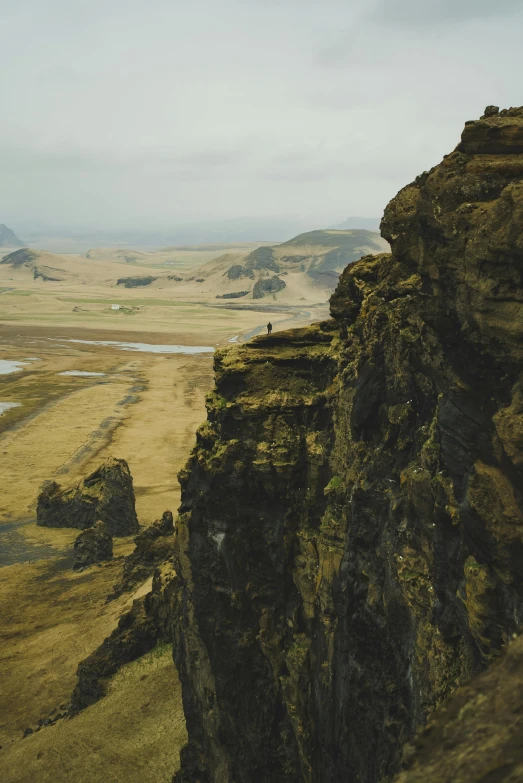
(264,229)
(371,224)
(211,232)
(317,253)
(8,238)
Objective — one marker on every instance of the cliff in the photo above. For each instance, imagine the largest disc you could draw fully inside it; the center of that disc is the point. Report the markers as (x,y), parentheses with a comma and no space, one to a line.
(349,547)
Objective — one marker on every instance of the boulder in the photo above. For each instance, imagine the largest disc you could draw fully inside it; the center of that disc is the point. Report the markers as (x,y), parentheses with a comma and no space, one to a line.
(235,271)
(92,546)
(106,495)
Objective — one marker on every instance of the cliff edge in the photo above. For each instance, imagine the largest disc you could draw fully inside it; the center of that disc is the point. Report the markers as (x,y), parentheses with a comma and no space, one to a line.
(350,543)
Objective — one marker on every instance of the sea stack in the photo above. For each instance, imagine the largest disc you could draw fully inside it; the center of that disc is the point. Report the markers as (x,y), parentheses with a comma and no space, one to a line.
(106,495)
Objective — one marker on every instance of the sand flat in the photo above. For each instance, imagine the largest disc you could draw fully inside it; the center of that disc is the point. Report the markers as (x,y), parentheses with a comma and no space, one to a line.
(158,434)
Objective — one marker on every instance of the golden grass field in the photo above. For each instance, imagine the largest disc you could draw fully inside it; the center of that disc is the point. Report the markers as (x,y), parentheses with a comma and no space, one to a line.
(145,408)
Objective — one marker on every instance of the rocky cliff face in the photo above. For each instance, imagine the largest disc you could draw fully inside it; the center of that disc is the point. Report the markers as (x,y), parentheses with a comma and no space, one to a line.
(476,736)
(350,547)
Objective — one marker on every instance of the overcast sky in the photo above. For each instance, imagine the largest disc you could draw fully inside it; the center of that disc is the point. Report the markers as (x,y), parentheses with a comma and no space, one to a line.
(144,112)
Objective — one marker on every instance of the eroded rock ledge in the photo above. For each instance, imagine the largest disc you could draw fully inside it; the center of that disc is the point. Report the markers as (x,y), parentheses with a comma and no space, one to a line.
(350,544)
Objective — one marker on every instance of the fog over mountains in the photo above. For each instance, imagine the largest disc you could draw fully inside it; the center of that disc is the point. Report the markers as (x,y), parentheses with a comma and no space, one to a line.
(145,131)
(242,229)
(8,238)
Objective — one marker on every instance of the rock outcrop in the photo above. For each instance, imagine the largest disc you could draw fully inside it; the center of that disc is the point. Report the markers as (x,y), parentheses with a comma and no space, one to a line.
(147,622)
(267,285)
(23,257)
(136,282)
(139,630)
(153,546)
(350,543)
(237,270)
(106,495)
(232,295)
(93,545)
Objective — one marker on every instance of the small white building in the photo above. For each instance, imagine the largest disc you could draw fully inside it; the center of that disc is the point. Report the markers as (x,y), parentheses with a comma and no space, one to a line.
(115,307)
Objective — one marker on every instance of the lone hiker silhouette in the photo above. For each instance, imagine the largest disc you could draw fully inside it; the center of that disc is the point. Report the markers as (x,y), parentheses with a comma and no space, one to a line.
(269,328)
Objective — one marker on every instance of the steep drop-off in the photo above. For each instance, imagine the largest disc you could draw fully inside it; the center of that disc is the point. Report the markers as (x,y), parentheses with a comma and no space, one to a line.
(350,543)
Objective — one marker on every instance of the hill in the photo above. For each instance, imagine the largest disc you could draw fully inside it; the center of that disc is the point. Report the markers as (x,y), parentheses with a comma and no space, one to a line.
(37,263)
(8,238)
(26,264)
(305,268)
(188,256)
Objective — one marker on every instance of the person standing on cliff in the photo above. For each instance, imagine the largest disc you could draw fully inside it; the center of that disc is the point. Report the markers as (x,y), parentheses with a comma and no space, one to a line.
(269,328)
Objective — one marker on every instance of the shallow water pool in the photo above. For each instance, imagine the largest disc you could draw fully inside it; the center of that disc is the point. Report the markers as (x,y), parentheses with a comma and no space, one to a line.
(82,373)
(149,347)
(8,366)
(6,406)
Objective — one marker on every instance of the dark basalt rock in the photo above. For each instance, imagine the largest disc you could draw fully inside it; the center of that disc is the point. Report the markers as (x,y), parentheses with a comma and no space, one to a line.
(350,547)
(93,545)
(495,133)
(153,546)
(46,278)
(232,295)
(476,736)
(236,271)
(106,495)
(267,285)
(148,621)
(262,258)
(139,630)
(136,282)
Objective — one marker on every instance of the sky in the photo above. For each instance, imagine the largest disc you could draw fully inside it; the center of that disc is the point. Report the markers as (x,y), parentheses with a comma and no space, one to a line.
(155,112)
